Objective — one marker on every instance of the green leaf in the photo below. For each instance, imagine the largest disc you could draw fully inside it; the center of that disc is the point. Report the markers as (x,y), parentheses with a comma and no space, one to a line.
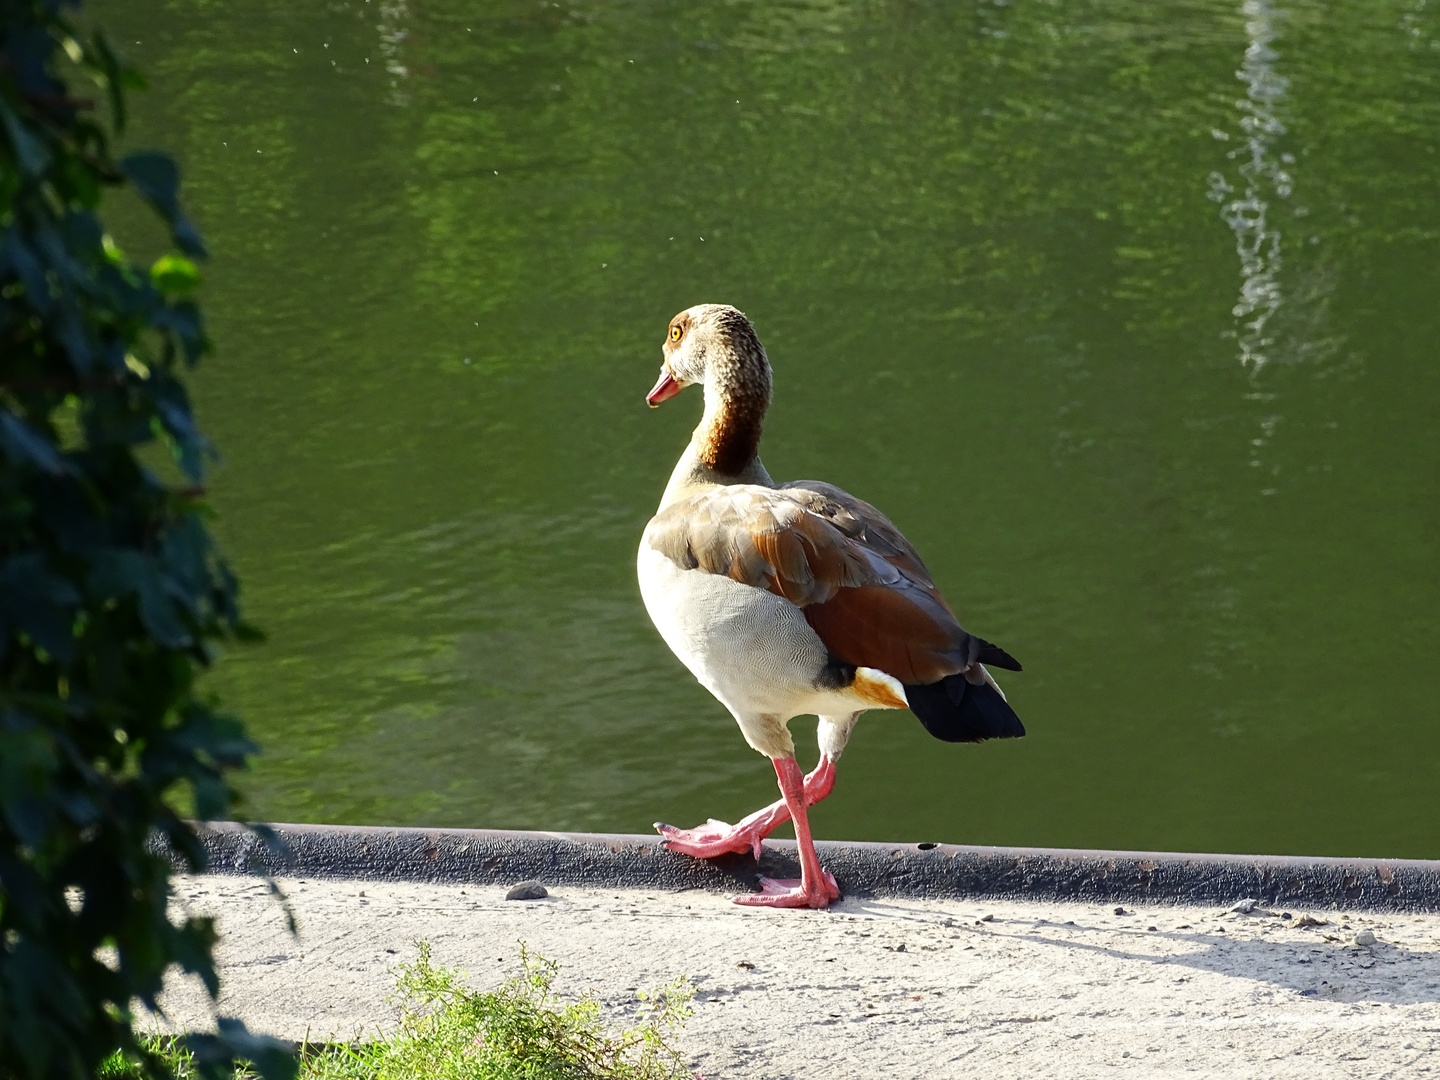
(157,178)
(34,158)
(175,274)
(112,595)
(117,573)
(250,635)
(38,602)
(20,442)
(115,77)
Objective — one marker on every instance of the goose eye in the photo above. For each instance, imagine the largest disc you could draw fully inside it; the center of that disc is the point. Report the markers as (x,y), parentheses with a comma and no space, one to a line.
(675,333)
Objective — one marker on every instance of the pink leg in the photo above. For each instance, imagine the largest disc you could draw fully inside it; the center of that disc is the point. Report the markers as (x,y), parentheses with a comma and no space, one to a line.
(718,837)
(816,888)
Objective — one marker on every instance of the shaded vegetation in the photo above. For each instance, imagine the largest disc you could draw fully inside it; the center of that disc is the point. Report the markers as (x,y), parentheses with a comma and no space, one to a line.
(112,594)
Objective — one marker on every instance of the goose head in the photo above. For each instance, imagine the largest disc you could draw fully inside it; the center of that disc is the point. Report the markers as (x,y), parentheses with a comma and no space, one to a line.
(715,346)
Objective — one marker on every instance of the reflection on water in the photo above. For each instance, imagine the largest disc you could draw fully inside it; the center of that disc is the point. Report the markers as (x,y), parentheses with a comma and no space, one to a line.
(975,240)
(392,46)
(1263,174)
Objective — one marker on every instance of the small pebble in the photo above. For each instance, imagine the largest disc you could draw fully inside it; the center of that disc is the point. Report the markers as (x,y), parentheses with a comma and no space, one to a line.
(1153,928)
(1120,911)
(528,890)
(1364,937)
(1246,906)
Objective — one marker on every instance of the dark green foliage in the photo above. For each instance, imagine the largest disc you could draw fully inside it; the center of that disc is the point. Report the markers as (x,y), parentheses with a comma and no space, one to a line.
(111,593)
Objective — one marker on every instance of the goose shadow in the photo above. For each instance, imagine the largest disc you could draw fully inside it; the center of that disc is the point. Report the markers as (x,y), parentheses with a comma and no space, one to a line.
(1304,962)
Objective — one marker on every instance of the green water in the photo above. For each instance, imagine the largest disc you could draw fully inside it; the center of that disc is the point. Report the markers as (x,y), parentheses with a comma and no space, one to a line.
(1125,312)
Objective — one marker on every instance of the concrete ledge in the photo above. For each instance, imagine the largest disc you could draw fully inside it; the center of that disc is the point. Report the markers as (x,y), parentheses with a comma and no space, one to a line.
(929,871)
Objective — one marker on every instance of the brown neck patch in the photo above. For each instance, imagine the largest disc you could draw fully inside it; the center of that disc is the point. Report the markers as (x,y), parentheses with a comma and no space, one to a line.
(740,374)
(730,441)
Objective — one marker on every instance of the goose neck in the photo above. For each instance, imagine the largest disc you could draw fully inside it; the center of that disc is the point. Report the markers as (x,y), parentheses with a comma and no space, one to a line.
(692,476)
(737,395)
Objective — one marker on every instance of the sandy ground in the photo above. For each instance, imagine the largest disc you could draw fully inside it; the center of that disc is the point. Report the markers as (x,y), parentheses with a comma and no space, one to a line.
(869,988)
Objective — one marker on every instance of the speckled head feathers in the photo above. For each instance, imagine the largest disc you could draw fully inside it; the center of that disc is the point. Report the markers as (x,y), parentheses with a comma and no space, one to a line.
(715,342)
(715,346)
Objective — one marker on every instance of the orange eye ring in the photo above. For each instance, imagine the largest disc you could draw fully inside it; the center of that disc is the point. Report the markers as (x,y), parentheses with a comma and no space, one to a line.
(676,333)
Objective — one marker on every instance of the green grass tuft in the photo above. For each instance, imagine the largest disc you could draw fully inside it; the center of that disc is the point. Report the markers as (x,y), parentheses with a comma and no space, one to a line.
(520,1031)
(165,1051)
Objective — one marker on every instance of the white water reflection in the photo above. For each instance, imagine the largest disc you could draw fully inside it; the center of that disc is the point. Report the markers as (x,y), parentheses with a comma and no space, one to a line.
(393,14)
(1263,177)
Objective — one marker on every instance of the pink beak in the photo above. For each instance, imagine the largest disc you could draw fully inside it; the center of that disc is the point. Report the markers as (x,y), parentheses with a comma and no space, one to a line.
(664,390)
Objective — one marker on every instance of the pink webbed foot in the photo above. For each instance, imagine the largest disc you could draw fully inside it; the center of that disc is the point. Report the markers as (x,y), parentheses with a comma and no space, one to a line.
(789,893)
(720,838)
(816,887)
(711,839)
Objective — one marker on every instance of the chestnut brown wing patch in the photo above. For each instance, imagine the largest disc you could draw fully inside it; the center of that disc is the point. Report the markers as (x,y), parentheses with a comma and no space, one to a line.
(901,631)
(863,588)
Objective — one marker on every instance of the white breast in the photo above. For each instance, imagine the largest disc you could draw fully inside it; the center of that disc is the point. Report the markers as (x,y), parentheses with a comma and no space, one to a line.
(750,648)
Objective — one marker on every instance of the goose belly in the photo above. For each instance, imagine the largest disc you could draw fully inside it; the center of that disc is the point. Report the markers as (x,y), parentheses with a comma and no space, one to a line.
(750,648)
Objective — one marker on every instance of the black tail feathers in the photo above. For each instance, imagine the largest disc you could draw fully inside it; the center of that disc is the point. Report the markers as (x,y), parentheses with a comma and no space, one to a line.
(997,657)
(955,710)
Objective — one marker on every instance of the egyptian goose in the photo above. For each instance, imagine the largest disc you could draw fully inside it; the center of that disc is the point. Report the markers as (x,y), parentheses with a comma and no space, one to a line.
(793,599)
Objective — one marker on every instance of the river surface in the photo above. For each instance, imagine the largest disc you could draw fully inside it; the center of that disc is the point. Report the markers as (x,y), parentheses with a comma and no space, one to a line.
(1127,313)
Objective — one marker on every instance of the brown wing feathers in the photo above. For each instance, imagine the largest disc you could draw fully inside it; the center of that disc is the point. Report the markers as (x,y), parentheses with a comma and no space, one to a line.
(877,626)
(862,586)
(860,521)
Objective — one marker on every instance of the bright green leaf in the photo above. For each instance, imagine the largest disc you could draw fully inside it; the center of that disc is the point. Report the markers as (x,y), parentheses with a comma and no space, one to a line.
(175,274)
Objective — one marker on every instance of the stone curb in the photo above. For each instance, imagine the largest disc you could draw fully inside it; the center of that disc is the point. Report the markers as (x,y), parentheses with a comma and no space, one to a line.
(926,871)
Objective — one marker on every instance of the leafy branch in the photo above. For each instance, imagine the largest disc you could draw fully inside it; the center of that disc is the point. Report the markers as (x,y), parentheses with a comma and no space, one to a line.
(112,593)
